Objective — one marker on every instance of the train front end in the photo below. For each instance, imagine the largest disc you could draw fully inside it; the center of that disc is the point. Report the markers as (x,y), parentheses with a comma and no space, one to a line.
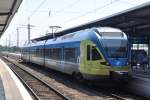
(114,46)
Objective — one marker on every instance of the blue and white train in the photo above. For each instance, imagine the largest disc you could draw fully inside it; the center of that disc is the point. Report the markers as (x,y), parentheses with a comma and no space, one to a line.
(90,54)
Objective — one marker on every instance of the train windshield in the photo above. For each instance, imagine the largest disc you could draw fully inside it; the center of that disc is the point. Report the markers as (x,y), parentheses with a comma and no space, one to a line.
(115,48)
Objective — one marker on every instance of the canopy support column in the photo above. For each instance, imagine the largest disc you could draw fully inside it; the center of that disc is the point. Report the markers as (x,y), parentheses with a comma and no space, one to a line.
(149,52)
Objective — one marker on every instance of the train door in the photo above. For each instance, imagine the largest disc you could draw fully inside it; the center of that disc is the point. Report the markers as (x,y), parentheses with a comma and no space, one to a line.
(90,58)
(61,62)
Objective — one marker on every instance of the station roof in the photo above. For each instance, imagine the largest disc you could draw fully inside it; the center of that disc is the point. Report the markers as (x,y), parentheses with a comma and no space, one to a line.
(8,8)
(134,21)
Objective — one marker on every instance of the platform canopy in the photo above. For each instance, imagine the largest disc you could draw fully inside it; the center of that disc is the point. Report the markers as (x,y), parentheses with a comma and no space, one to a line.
(134,21)
(8,8)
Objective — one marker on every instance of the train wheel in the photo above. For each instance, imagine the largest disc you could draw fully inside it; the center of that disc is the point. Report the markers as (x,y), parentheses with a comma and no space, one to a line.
(111,75)
(79,78)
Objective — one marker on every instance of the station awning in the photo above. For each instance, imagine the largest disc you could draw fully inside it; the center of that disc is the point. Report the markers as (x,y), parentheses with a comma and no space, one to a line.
(135,21)
(8,8)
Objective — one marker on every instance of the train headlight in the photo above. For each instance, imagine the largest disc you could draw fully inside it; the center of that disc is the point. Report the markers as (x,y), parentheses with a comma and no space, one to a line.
(121,72)
(105,63)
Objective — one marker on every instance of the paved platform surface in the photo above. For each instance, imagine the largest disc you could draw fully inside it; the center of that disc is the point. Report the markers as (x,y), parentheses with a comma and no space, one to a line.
(10,86)
(140,72)
(2,93)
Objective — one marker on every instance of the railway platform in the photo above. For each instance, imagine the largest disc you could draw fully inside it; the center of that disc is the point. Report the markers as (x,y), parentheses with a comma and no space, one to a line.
(141,72)
(140,81)
(10,86)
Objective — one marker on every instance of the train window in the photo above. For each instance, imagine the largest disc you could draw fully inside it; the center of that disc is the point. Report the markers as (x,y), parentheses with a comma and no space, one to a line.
(26,51)
(46,53)
(56,53)
(70,54)
(23,51)
(37,52)
(95,54)
(31,52)
(41,52)
(53,53)
(88,52)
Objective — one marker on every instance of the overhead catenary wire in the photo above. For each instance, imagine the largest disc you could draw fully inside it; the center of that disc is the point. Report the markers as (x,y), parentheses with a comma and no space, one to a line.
(37,8)
(91,11)
(75,2)
(70,5)
(29,17)
(62,10)
(127,2)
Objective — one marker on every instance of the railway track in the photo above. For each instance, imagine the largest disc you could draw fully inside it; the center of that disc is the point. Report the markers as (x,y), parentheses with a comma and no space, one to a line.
(108,95)
(38,88)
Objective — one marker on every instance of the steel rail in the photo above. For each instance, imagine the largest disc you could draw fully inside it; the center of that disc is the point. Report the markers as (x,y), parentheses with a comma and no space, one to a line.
(26,85)
(46,84)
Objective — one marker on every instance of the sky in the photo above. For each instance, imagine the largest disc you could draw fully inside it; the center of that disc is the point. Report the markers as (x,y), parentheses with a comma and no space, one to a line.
(65,13)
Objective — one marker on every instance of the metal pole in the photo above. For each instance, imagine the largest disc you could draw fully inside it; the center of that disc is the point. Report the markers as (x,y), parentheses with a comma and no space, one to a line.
(17,37)
(9,40)
(29,33)
(6,44)
(129,48)
(53,32)
(9,49)
(149,53)
(29,29)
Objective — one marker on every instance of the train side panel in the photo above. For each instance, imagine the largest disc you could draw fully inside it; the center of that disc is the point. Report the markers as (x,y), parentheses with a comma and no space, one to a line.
(25,54)
(37,54)
(63,57)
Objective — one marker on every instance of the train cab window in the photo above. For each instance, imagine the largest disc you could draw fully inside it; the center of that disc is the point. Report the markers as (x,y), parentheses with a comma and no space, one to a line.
(88,52)
(70,54)
(95,54)
(92,53)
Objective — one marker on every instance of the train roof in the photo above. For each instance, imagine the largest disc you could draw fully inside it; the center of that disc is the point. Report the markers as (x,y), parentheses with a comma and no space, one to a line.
(100,29)
(37,43)
(104,32)
(107,29)
(109,32)
(76,37)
